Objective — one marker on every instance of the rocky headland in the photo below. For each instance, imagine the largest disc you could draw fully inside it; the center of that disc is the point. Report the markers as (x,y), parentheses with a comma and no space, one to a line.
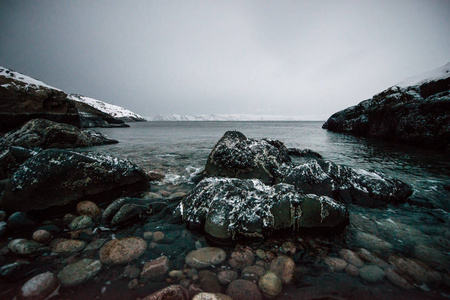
(414,111)
(23,98)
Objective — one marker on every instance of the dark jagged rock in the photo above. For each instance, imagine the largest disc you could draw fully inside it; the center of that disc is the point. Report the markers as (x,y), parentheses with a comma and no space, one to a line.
(345,184)
(236,156)
(56,177)
(228,208)
(21,102)
(417,114)
(48,134)
(11,158)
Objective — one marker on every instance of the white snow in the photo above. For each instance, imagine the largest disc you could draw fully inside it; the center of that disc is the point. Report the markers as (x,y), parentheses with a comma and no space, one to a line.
(226,117)
(436,74)
(27,80)
(111,109)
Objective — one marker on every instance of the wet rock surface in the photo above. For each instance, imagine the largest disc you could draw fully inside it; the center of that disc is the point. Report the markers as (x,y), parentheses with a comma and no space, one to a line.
(227,208)
(416,115)
(79,272)
(122,251)
(42,133)
(72,176)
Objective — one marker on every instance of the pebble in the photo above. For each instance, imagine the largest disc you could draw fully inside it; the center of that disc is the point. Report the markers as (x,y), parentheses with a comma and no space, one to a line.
(155,268)
(336,264)
(131,271)
(95,245)
(89,208)
(397,279)
(209,282)
(270,284)
(227,276)
(242,257)
(352,270)
(244,289)
(40,286)
(165,193)
(351,257)
(288,248)
(173,292)
(211,296)
(415,269)
(148,235)
(134,283)
(375,260)
(261,254)
(176,274)
(42,236)
(371,273)
(205,257)
(79,272)
(81,222)
(26,247)
(158,236)
(284,268)
(122,251)
(253,273)
(67,246)
(19,220)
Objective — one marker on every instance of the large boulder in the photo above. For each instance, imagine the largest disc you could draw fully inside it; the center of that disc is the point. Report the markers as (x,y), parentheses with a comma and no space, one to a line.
(228,208)
(45,134)
(56,177)
(414,112)
(322,177)
(236,156)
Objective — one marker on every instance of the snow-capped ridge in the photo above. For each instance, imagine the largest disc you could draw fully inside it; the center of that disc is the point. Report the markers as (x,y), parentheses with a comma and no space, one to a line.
(433,75)
(27,82)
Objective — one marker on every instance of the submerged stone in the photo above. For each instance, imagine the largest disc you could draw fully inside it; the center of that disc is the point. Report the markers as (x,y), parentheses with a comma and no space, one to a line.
(122,251)
(79,272)
(205,257)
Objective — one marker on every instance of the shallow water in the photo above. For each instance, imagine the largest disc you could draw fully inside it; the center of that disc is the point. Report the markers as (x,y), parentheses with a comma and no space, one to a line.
(419,229)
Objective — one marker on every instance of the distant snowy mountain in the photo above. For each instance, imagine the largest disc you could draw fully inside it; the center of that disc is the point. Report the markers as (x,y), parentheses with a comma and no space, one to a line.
(220,117)
(25,83)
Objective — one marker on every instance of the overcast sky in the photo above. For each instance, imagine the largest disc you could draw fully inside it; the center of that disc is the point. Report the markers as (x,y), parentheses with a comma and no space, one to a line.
(292,58)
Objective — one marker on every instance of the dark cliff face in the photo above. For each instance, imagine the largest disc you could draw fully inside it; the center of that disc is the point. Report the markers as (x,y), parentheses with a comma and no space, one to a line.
(416,115)
(20,103)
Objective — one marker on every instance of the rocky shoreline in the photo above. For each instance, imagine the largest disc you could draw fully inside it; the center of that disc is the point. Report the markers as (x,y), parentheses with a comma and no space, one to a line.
(253,225)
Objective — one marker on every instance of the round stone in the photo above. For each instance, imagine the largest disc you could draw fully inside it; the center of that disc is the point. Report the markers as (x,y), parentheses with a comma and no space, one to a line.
(158,236)
(67,246)
(122,251)
(89,208)
(242,257)
(79,272)
(351,257)
(371,273)
(227,276)
(205,257)
(284,267)
(211,296)
(40,286)
(81,222)
(26,247)
(42,236)
(337,264)
(270,284)
(148,235)
(244,289)
(352,270)
(398,280)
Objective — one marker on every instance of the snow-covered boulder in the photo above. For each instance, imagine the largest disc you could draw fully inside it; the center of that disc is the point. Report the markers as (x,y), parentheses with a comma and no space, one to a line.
(45,134)
(227,209)
(56,177)
(236,156)
(415,111)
